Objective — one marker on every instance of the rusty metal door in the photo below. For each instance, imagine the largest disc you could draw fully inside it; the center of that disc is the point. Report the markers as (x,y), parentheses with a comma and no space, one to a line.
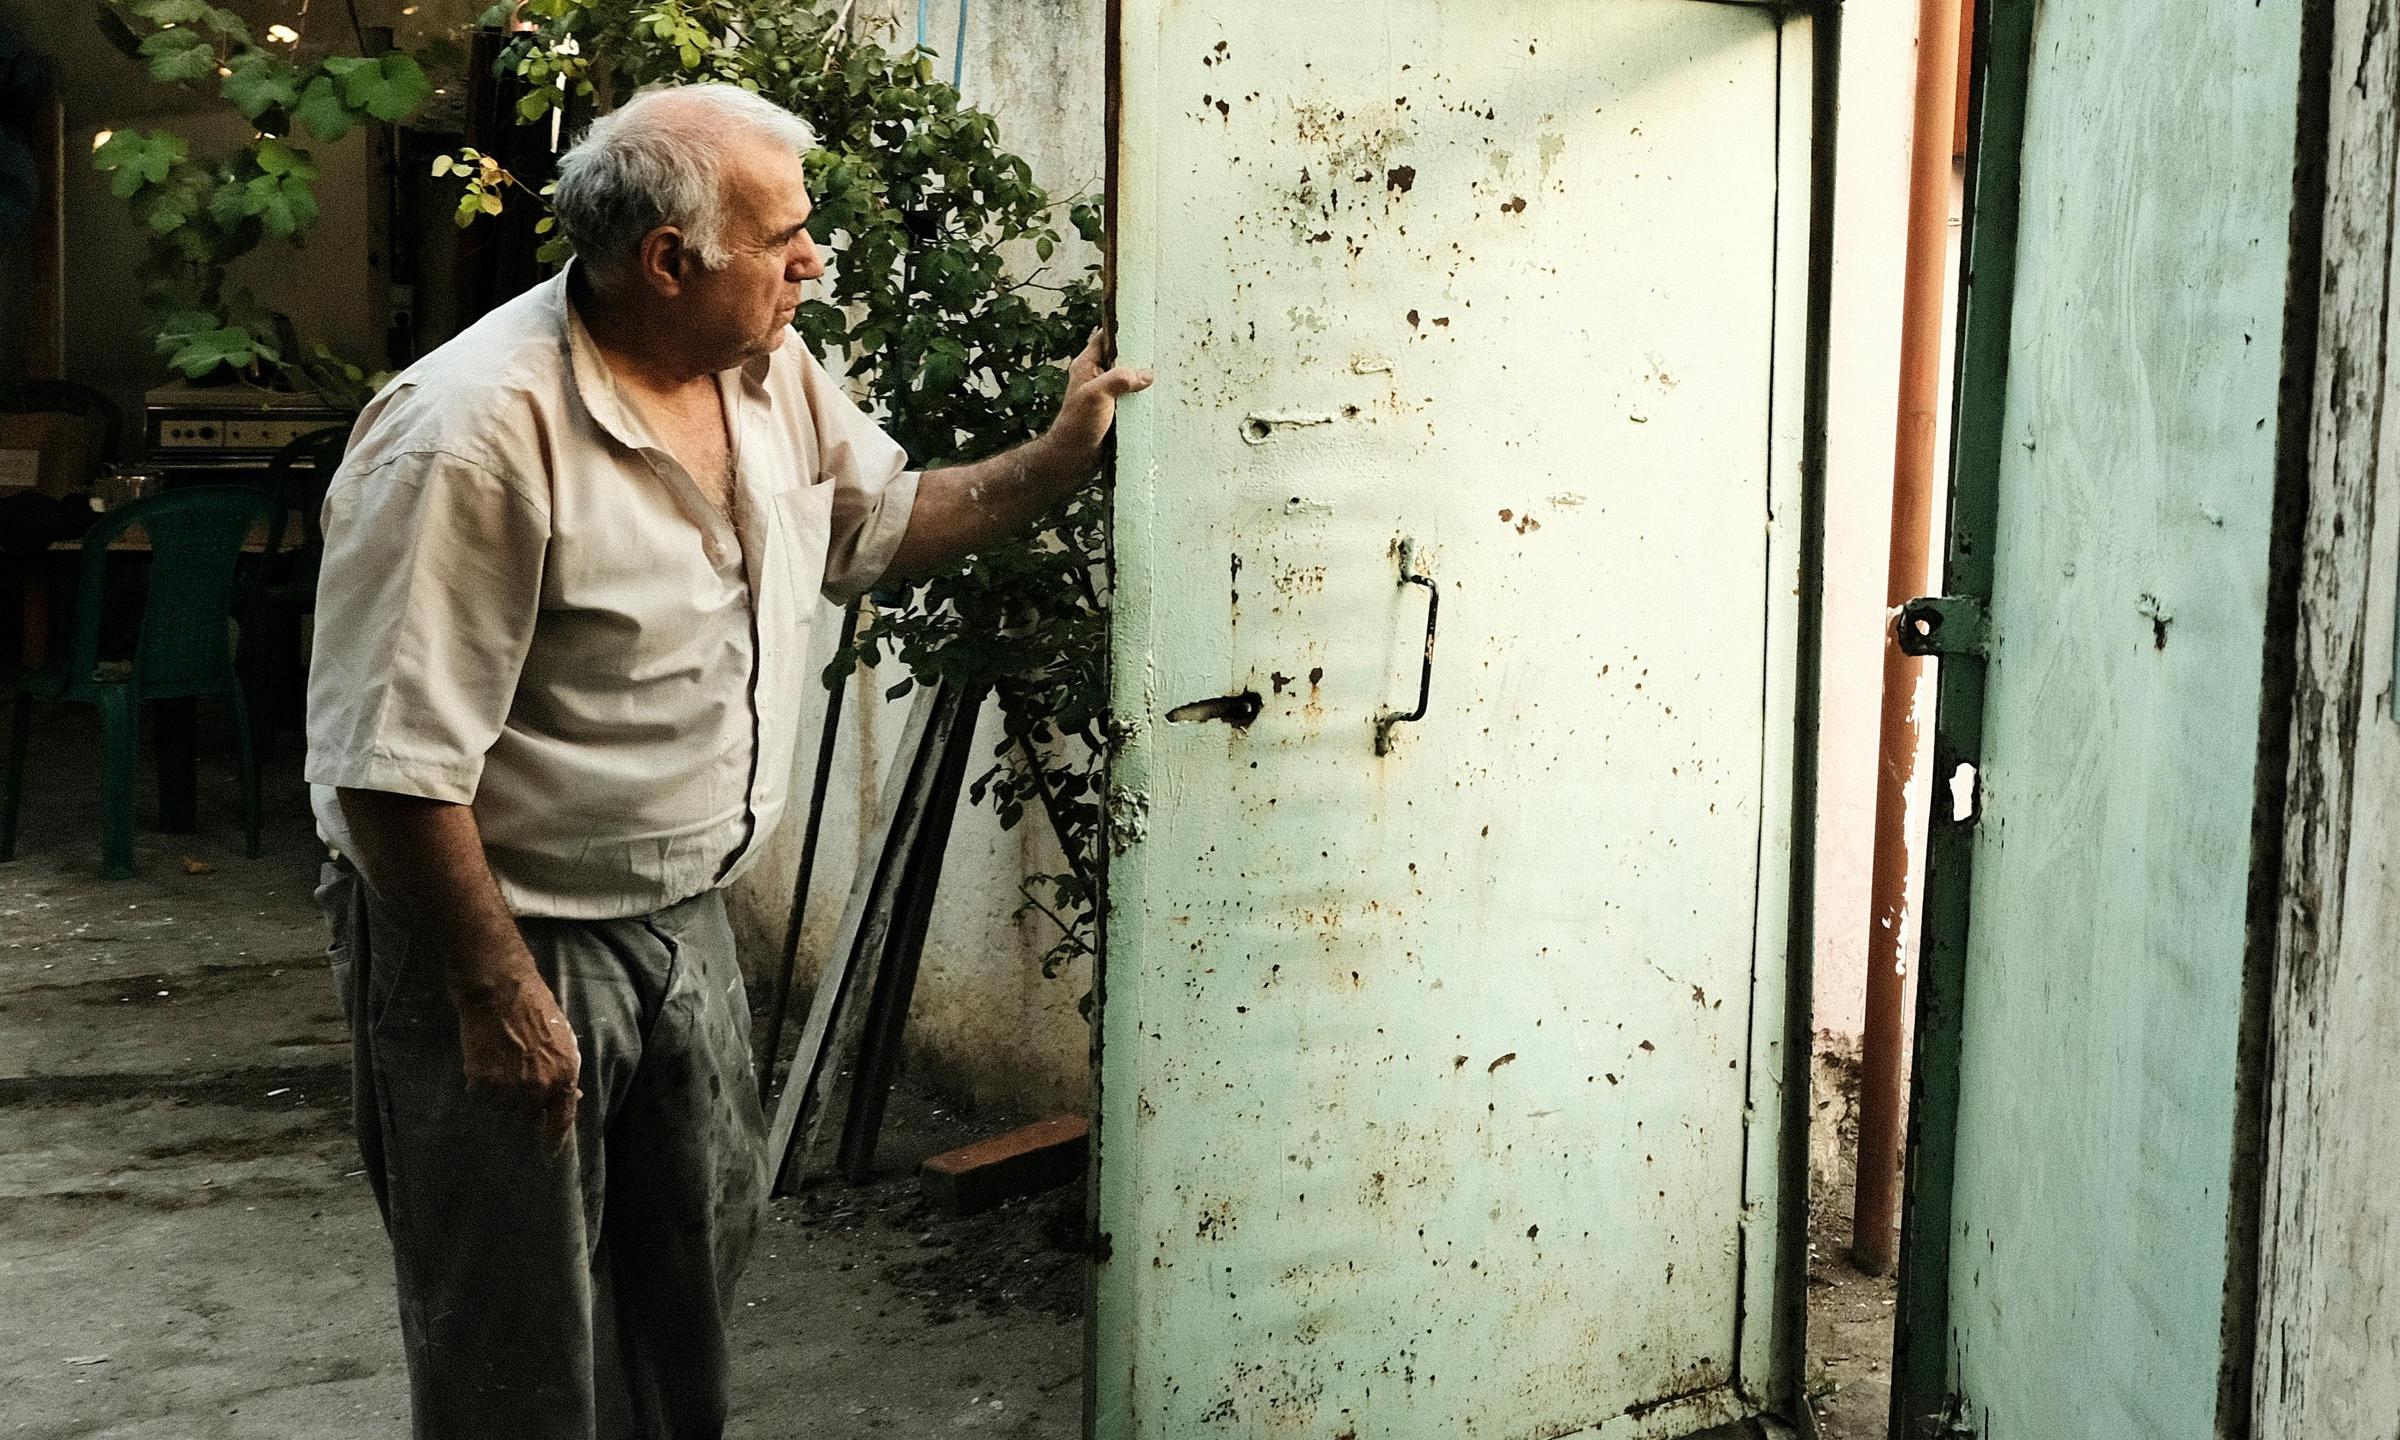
(1446,1036)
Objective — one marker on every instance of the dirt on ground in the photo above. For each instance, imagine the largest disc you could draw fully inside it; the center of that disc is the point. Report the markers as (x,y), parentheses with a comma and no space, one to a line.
(1026,1254)
(1849,1335)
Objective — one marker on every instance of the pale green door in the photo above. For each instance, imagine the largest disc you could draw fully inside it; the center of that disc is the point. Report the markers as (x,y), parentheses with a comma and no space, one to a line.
(2077,1262)
(1443,1060)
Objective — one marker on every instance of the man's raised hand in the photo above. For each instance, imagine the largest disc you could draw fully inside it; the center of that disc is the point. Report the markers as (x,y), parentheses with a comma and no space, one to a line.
(1090,406)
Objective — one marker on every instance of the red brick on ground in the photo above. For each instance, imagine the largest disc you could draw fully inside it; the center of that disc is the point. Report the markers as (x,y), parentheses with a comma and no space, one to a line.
(1040,1156)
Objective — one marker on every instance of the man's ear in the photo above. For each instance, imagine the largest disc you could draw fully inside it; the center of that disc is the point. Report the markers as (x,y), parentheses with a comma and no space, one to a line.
(664,260)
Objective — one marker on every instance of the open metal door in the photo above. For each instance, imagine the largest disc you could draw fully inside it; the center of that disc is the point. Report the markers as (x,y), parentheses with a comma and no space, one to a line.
(2080,1229)
(1452,1019)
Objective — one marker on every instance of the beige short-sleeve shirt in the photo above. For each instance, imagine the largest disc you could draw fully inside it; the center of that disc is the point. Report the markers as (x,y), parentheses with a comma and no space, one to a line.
(526,606)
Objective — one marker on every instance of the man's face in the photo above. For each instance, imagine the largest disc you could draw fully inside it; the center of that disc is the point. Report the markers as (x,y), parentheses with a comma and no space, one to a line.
(746,306)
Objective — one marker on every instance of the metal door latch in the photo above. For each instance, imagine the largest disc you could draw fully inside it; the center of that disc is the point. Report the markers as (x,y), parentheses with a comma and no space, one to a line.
(1433,614)
(1951,625)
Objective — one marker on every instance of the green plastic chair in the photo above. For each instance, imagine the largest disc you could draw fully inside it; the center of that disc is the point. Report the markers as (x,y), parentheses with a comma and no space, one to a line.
(183,650)
(297,478)
(282,585)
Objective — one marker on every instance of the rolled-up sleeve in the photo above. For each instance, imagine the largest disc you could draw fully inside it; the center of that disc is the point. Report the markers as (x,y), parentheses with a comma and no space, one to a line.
(426,603)
(874,490)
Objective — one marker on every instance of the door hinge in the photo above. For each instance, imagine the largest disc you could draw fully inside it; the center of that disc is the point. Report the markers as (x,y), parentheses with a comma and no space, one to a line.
(1945,625)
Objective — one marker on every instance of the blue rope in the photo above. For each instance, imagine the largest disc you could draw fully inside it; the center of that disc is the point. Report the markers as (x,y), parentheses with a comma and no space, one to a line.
(921,4)
(958,51)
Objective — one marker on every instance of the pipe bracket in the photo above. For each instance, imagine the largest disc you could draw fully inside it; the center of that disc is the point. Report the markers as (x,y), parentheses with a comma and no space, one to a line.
(1952,626)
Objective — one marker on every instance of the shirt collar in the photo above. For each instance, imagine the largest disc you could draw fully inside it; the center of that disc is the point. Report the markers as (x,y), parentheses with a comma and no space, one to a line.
(597,388)
(594,386)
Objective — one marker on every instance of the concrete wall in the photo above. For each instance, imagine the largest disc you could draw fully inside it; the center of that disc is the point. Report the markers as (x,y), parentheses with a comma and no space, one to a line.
(1878,61)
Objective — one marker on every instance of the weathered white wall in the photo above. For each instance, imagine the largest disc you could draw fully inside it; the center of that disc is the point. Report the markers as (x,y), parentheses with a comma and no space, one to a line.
(1870,250)
(2328,1339)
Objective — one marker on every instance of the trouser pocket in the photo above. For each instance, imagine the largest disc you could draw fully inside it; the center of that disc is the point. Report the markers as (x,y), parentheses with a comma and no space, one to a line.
(337,886)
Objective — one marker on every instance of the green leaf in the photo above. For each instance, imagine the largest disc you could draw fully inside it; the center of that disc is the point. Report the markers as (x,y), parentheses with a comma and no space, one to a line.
(321,109)
(204,350)
(230,204)
(165,211)
(261,82)
(214,19)
(179,56)
(277,158)
(397,87)
(136,159)
(283,204)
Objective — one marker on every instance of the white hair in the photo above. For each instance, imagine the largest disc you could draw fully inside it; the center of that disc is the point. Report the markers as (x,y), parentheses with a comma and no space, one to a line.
(659,160)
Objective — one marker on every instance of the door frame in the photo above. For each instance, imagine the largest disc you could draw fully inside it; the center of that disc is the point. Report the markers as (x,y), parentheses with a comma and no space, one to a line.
(1786,1303)
(2003,53)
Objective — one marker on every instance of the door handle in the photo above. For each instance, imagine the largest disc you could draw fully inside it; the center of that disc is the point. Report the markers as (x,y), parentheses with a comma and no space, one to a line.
(1433,614)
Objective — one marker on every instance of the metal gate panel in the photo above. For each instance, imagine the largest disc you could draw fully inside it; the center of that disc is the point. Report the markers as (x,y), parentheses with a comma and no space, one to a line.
(1443,1058)
(2075,1143)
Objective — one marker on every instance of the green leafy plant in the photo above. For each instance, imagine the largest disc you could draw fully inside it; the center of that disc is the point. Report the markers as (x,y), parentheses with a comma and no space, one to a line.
(205,212)
(943,309)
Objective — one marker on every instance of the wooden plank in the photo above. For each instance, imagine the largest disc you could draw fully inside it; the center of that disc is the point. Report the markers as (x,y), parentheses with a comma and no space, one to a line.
(2328,1346)
(1031,1158)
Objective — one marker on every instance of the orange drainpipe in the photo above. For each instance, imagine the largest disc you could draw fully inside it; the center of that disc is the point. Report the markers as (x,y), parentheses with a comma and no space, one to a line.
(1924,329)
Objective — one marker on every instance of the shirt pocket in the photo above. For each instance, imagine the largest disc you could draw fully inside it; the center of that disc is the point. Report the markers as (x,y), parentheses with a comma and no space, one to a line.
(804,515)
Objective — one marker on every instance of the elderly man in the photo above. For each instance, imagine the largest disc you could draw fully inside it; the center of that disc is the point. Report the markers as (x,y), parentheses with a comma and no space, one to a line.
(561,650)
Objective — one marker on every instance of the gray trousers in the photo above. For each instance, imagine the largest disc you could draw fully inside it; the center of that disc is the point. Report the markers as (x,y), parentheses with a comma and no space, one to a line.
(580,1295)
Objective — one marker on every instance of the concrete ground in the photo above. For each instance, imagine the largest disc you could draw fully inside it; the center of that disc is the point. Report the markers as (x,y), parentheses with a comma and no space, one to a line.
(188,1250)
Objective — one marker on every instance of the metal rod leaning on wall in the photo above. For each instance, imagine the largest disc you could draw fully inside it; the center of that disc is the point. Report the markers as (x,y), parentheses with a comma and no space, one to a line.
(1875,1203)
(863,919)
(876,1059)
(901,895)
(810,829)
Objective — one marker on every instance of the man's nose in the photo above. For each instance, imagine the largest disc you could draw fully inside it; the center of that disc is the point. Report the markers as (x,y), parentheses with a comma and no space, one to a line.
(806,263)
